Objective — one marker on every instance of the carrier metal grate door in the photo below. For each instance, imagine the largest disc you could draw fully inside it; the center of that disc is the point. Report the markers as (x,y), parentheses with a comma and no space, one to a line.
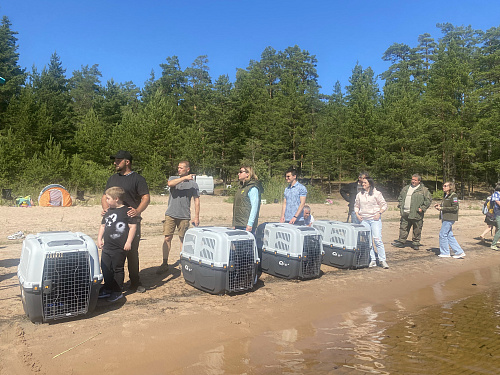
(66,284)
(241,265)
(311,259)
(363,255)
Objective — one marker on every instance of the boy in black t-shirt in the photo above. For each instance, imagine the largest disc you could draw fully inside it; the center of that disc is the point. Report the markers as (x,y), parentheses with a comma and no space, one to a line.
(115,238)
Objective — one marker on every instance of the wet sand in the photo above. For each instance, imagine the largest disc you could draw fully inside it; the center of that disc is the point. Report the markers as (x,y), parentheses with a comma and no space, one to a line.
(174,328)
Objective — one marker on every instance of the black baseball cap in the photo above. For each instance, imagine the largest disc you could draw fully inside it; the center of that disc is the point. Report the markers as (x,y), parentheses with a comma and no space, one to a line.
(122,155)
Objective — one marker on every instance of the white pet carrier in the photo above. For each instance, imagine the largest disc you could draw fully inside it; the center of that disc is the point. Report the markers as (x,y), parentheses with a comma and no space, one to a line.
(346,245)
(59,275)
(290,251)
(219,260)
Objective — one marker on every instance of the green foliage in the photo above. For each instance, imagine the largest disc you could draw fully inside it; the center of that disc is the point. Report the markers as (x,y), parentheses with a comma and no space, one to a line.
(315,194)
(87,175)
(274,188)
(153,170)
(48,167)
(438,194)
(438,114)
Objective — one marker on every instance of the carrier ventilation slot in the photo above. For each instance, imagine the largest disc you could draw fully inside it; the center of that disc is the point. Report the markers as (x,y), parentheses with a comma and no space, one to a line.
(338,236)
(188,248)
(66,284)
(207,254)
(241,261)
(209,242)
(282,241)
(320,228)
(189,238)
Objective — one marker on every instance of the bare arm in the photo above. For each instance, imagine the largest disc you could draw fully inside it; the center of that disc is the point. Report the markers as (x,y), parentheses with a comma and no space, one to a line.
(196,219)
(283,208)
(175,181)
(145,199)
(104,204)
(131,235)
(100,242)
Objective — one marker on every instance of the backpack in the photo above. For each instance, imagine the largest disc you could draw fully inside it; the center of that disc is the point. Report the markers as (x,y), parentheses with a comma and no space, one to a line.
(489,211)
(24,201)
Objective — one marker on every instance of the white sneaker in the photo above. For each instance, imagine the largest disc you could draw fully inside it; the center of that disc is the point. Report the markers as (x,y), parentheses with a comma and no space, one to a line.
(16,236)
(373,263)
(459,256)
(384,264)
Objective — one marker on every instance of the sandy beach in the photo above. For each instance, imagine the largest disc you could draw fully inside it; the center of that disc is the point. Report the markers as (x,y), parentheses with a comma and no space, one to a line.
(174,328)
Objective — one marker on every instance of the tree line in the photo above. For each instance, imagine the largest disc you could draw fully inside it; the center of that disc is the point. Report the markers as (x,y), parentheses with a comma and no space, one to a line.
(437,113)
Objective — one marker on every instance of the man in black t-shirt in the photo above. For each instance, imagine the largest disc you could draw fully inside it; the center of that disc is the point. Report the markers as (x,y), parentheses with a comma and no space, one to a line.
(137,199)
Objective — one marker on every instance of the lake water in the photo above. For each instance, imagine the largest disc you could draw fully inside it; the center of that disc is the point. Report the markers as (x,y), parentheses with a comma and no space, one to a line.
(425,333)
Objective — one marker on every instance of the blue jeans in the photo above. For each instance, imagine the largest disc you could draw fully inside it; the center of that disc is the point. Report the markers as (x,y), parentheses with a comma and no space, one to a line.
(447,239)
(375,227)
(354,218)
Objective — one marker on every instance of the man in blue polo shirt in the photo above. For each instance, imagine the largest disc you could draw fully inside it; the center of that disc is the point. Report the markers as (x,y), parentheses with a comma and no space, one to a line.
(294,200)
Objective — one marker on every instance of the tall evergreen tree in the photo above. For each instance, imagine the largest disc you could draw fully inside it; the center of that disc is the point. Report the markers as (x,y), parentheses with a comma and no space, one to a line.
(362,97)
(9,66)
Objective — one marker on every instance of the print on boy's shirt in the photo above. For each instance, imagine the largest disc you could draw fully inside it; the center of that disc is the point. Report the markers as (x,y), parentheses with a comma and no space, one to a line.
(120,227)
(116,228)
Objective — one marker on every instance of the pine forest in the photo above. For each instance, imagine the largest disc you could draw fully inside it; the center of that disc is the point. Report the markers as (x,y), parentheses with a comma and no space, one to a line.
(435,111)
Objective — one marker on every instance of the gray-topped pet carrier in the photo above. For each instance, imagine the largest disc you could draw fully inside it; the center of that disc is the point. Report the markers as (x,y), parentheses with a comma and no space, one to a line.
(289,251)
(219,260)
(59,275)
(346,245)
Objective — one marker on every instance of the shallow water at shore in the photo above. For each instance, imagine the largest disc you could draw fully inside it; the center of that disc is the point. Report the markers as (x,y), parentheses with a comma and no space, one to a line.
(427,332)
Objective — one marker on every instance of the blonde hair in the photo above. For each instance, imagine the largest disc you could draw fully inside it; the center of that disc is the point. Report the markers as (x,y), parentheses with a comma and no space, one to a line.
(251,173)
(115,192)
(452,185)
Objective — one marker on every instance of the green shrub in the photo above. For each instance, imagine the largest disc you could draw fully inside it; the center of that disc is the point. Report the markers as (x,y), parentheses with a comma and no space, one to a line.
(315,194)
(88,175)
(438,194)
(273,189)
(48,167)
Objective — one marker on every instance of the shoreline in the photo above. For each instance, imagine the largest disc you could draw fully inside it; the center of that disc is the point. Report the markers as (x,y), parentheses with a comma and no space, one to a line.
(173,327)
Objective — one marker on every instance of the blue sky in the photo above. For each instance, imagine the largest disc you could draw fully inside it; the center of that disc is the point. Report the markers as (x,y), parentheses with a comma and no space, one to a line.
(130,38)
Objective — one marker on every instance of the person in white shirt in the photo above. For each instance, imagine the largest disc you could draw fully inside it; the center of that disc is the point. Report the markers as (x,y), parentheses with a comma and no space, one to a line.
(369,207)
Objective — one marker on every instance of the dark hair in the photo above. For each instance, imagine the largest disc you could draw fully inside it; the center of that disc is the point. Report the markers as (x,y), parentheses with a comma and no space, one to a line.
(186,163)
(372,185)
(363,173)
(497,187)
(293,171)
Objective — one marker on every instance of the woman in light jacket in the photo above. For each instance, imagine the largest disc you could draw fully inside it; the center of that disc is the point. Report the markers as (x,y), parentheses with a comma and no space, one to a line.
(449,214)
(369,207)
(246,204)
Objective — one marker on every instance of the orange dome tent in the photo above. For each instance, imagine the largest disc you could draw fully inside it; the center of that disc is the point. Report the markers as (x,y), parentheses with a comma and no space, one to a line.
(54,196)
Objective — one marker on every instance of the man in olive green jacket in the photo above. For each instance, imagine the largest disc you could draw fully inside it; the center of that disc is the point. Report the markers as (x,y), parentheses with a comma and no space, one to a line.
(413,200)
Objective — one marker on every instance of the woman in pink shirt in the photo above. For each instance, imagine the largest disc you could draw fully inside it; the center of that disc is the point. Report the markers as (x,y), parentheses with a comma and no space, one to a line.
(369,206)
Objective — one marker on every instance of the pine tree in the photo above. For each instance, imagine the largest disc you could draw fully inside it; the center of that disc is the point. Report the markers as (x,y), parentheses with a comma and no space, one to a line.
(9,66)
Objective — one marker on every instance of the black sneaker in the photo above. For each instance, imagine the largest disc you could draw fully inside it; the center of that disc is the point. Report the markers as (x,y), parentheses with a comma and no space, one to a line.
(398,244)
(416,247)
(115,296)
(104,293)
